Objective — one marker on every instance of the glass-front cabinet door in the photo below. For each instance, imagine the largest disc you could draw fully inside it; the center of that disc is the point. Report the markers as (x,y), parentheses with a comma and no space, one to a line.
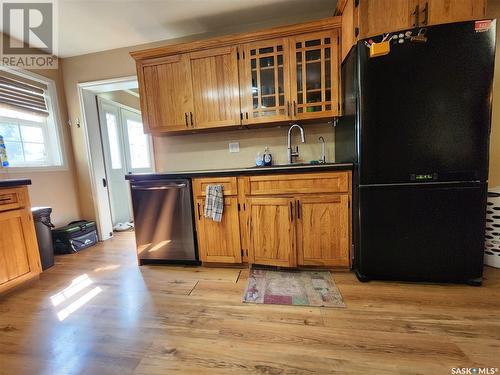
(314,75)
(265,82)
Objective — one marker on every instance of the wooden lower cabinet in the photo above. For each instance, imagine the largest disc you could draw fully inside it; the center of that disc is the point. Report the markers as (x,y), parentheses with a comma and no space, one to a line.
(219,242)
(19,257)
(272,231)
(13,252)
(323,230)
(284,220)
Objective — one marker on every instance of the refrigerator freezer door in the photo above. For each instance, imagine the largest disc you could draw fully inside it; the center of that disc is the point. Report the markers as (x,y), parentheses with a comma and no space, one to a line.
(425,107)
(431,232)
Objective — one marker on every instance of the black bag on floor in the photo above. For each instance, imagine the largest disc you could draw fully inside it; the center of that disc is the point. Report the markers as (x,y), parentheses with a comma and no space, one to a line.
(75,236)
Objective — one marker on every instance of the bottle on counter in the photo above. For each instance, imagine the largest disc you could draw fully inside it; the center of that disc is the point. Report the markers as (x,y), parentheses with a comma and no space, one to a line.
(268,158)
(259,160)
(4,161)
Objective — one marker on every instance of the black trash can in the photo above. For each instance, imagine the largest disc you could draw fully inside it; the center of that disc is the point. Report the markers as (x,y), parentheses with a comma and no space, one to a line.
(43,229)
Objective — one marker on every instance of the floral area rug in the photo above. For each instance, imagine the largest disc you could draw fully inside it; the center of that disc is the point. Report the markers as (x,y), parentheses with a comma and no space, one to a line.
(302,288)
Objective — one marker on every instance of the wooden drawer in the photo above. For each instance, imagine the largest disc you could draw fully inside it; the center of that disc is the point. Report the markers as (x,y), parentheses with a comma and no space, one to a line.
(229,185)
(306,183)
(11,199)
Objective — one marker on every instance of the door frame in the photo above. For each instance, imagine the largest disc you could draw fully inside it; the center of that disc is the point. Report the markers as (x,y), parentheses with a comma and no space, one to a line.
(87,96)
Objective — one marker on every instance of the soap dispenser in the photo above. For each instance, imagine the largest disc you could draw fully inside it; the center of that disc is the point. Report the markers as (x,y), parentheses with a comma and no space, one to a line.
(268,158)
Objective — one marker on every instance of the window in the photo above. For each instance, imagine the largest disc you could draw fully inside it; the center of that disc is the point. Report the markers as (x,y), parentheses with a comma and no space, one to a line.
(138,145)
(31,137)
(114,141)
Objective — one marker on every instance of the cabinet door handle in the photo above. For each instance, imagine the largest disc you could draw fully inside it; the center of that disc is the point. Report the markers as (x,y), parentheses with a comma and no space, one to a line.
(199,213)
(186,119)
(288,108)
(191,116)
(294,108)
(416,13)
(246,115)
(291,211)
(426,14)
(298,209)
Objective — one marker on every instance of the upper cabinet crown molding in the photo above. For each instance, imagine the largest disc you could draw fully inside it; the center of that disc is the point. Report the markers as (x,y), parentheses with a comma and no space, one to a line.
(229,40)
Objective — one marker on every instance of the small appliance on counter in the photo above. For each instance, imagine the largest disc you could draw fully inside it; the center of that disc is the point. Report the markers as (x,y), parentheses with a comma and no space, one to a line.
(164,224)
(416,125)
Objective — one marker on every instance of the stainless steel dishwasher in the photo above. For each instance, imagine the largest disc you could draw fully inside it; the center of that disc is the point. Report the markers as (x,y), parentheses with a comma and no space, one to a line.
(164,226)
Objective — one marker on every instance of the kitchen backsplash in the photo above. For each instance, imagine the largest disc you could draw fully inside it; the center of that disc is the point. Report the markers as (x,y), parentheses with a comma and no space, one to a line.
(211,150)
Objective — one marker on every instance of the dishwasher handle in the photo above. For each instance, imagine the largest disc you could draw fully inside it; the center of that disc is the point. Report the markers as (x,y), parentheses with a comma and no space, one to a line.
(163,187)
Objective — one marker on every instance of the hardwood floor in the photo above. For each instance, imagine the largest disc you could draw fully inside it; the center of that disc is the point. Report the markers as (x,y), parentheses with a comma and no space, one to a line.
(118,318)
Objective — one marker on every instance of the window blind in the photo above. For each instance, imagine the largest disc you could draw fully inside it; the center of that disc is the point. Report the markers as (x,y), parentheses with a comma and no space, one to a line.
(22,96)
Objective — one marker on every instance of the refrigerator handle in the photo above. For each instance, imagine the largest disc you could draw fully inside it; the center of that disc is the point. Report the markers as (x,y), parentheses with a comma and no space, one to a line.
(416,13)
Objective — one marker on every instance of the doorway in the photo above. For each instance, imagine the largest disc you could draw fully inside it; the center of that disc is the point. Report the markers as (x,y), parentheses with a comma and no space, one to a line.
(116,146)
(127,150)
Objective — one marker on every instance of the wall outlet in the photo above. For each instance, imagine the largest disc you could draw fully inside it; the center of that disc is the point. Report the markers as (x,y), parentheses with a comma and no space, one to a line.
(234,147)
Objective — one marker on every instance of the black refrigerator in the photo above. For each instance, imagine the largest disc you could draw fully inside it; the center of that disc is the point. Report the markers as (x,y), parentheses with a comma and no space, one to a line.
(416,125)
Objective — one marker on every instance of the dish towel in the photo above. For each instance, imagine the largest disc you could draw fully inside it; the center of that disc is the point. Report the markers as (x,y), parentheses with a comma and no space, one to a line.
(214,202)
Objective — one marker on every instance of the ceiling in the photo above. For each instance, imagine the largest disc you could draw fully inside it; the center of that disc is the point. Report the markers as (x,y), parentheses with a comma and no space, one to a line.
(87,26)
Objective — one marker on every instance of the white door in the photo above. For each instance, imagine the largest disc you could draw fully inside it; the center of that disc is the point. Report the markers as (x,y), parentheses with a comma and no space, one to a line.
(126,150)
(138,146)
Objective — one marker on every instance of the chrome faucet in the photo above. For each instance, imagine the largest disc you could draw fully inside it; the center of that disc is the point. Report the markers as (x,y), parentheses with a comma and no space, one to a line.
(323,156)
(292,154)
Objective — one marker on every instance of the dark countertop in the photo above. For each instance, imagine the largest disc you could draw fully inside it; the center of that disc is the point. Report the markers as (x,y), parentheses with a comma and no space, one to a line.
(298,168)
(11,182)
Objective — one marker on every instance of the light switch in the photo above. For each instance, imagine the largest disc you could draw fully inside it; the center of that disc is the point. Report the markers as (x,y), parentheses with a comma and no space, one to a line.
(234,147)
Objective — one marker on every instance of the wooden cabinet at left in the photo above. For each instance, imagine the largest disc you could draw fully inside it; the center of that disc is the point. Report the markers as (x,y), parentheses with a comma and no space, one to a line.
(166,94)
(19,257)
(190,91)
(218,242)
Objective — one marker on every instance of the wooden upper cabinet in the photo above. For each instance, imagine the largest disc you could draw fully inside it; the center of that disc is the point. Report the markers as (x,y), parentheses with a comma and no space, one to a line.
(445,11)
(380,16)
(246,79)
(323,230)
(219,242)
(315,75)
(272,231)
(348,29)
(215,87)
(375,17)
(166,93)
(264,81)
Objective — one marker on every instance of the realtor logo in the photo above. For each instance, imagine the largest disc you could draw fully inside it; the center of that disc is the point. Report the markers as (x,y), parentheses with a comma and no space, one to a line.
(28,34)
